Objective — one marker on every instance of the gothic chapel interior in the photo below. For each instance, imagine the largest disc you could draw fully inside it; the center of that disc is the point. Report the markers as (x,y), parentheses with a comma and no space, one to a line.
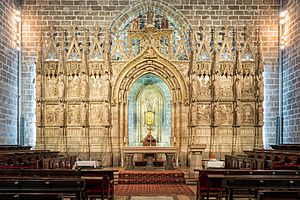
(92,78)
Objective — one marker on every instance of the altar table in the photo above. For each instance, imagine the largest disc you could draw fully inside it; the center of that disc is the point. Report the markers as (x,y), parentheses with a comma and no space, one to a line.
(127,154)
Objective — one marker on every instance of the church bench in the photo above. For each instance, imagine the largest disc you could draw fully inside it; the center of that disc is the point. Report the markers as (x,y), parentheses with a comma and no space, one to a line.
(68,187)
(246,182)
(271,158)
(39,173)
(9,148)
(278,194)
(247,172)
(31,196)
(247,185)
(45,174)
(240,162)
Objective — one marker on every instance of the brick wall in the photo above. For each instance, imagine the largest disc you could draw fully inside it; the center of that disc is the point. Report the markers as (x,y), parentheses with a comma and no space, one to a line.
(8,73)
(88,13)
(291,73)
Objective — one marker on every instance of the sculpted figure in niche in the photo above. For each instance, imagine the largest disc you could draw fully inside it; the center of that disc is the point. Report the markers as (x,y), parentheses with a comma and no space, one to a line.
(83,85)
(164,23)
(150,15)
(205,87)
(260,89)
(248,114)
(38,111)
(96,85)
(195,87)
(61,86)
(238,87)
(135,24)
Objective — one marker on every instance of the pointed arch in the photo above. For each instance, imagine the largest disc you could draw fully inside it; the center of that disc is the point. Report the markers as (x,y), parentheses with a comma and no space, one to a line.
(127,15)
(154,64)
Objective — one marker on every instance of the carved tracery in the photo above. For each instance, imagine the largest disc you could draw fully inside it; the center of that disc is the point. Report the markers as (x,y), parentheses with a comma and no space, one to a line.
(83,78)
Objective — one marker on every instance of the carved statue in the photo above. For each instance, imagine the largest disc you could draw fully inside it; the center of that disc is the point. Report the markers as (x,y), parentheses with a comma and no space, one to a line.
(83,85)
(205,87)
(260,114)
(238,112)
(135,24)
(50,89)
(61,86)
(38,111)
(150,15)
(73,86)
(195,87)
(238,87)
(96,86)
(260,84)
(164,23)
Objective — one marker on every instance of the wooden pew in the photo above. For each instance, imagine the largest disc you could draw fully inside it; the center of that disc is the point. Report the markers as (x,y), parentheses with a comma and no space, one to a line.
(256,176)
(240,162)
(105,175)
(31,196)
(278,195)
(67,187)
(286,159)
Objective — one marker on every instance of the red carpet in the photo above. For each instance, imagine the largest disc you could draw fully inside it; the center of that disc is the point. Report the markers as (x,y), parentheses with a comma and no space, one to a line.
(152,189)
(151,176)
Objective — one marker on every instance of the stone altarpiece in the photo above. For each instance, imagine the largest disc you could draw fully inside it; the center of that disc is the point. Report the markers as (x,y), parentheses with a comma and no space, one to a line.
(83,78)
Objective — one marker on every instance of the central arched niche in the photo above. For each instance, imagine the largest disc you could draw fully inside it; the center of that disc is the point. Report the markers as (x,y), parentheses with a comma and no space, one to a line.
(149,92)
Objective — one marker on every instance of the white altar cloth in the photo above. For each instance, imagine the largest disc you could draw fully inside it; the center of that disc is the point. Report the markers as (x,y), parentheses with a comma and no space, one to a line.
(86,163)
(215,164)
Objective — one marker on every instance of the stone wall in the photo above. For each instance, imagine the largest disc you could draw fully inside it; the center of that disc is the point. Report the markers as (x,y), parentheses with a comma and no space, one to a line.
(8,72)
(87,14)
(291,73)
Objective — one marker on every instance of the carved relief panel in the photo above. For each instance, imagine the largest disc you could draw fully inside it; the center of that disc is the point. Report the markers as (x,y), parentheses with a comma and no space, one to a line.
(98,114)
(223,113)
(74,114)
(54,114)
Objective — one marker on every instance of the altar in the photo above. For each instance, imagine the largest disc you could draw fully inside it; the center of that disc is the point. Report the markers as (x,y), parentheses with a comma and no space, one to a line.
(128,152)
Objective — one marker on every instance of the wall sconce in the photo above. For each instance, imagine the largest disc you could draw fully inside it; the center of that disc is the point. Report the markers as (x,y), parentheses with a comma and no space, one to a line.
(283,29)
